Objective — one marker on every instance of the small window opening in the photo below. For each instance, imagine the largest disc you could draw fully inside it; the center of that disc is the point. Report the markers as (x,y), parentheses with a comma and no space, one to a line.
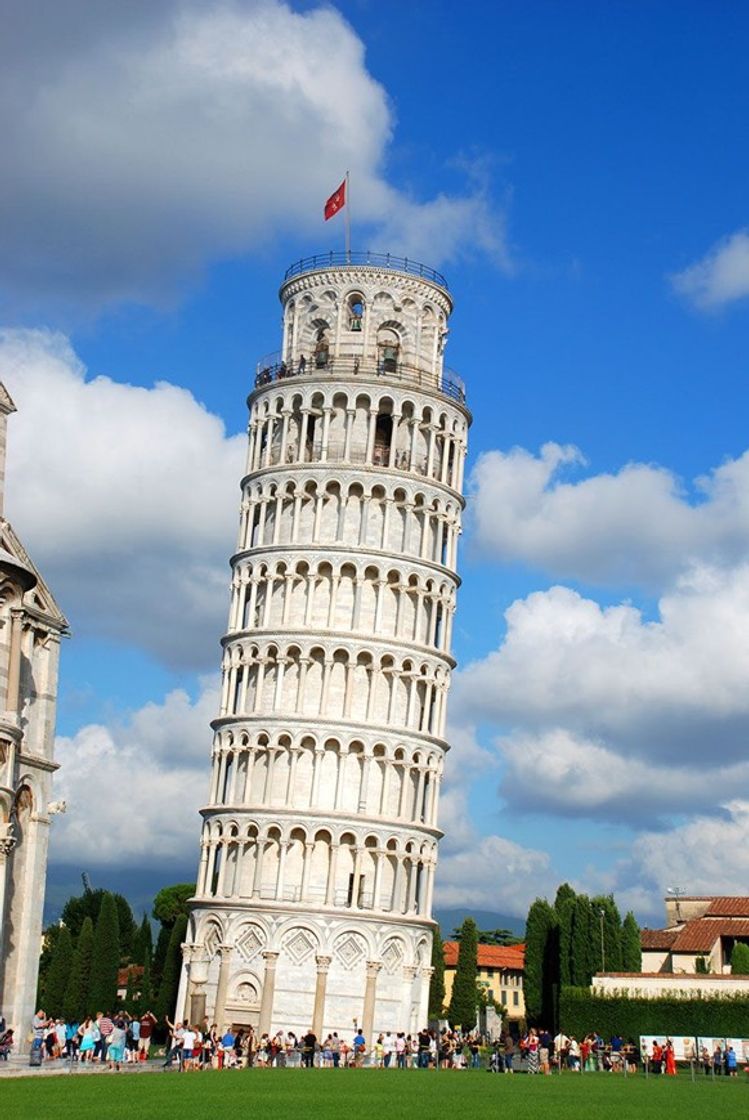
(356,313)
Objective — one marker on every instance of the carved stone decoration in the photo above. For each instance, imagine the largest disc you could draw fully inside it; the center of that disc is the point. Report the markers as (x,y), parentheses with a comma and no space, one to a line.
(392,954)
(350,950)
(7,838)
(300,945)
(249,942)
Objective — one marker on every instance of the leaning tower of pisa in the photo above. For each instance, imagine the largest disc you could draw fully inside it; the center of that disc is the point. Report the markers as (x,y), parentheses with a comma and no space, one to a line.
(319,839)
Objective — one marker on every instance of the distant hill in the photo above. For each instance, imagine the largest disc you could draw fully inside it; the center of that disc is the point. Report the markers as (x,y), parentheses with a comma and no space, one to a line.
(450,919)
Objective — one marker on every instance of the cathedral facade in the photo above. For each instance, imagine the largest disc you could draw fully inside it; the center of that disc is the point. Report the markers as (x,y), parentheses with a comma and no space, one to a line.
(31,626)
(319,841)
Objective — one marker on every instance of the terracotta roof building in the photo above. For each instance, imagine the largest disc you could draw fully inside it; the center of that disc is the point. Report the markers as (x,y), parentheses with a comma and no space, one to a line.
(500,974)
(697,927)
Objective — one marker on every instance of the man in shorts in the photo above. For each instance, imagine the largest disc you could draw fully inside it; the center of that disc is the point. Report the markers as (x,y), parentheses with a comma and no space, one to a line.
(147,1023)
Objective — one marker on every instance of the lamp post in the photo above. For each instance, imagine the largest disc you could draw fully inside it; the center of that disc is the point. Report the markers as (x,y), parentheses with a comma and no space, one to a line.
(602,915)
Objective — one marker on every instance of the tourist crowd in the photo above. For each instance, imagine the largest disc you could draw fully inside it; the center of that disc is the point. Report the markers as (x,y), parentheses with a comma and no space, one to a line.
(120,1039)
(103,1038)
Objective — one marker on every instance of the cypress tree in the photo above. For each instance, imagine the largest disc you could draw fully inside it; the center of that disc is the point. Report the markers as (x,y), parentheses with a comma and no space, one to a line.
(565,893)
(172,968)
(159,956)
(541,962)
(58,974)
(76,992)
(49,941)
(564,905)
(464,997)
(143,942)
(740,959)
(583,932)
(437,983)
(88,905)
(631,946)
(105,962)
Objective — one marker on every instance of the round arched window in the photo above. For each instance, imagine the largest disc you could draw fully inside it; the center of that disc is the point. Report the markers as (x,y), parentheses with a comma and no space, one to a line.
(388,345)
(355,311)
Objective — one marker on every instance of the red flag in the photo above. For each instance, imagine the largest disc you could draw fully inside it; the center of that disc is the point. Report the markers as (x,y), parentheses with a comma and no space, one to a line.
(336,201)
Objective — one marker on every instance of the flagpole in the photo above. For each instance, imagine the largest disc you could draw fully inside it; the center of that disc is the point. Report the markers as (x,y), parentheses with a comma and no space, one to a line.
(347,219)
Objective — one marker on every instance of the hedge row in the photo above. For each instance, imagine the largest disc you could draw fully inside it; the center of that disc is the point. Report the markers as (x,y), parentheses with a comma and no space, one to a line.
(581,1012)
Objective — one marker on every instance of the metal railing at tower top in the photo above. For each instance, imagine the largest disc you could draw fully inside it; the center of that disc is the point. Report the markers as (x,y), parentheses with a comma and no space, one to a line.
(349,367)
(366,257)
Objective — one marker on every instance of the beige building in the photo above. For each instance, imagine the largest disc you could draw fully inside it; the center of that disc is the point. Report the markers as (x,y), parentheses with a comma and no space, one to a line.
(319,835)
(31,626)
(500,974)
(697,927)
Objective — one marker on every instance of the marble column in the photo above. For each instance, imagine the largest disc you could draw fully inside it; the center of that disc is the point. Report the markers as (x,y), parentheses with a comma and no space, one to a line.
(219,1007)
(197,979)
(370,994)
(269,989)
(7,844)
(321,983)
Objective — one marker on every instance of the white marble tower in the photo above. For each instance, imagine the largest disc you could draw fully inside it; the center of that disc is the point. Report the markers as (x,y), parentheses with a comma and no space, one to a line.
(31,626)
(319,842)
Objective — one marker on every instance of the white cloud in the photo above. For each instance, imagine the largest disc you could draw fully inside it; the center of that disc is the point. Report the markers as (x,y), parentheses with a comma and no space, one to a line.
(126,497)
(492,872)
(133,789)
(164,137)
(600,712)
(721,277)
(566,775)
(637,527)
(707,855)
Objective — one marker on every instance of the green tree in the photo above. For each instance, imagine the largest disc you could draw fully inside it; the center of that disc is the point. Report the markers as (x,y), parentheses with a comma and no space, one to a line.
(541,963)
(49,943)
(171,902)
(105,961)
(159,956)
(583,942)
(76,1005)
(437,983)
(464,997)
(564,905)
(631,944)
(57,976)
(88,905)
(701,966)
(172,968)
(498,937)
(740,959)
(143,942)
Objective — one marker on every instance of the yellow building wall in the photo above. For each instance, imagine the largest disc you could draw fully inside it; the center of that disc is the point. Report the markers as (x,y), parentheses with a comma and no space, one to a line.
(490,979)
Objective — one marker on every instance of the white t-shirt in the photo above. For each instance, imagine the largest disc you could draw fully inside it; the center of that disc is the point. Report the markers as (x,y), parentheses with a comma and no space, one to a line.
(387,1044)
(188,1040)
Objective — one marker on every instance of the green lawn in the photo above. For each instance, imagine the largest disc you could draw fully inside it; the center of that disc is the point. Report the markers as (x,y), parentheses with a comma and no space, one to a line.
(357,1094)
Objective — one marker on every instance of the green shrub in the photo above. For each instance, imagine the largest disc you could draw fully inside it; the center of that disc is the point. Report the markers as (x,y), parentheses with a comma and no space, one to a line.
(581,1012)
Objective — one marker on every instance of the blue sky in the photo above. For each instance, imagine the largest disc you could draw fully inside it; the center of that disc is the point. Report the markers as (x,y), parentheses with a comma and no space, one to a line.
(578,172)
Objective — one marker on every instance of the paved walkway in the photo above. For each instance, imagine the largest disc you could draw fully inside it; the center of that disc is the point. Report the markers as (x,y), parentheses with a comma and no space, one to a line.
(18,1066)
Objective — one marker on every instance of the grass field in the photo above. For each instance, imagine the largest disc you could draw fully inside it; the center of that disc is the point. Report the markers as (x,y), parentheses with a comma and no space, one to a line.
(365,1094)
